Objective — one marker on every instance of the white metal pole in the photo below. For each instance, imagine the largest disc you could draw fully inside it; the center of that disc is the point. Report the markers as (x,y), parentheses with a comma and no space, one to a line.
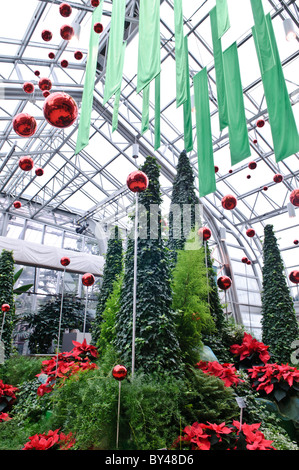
(60,319)
(135,283)
(3,320)
(85,313)
(118,414)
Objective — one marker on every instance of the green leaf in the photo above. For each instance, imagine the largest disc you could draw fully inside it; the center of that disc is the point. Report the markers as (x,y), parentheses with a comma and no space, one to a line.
(20,290)
(17,275)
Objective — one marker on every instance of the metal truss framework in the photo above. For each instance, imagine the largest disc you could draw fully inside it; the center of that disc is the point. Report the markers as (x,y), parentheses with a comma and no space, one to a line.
(96,179)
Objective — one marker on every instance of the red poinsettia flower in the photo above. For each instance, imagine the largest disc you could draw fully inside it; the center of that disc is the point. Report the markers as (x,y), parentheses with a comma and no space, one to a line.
(7,390)
(50,440)
(219,429)
(44,388)
(195,434)
(226,372)
(83,348)
(255,439)
(4,417)
(249,346)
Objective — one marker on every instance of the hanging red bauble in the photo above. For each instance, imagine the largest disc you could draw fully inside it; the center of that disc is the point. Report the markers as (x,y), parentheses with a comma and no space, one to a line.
(51,55)
(248,177)
(277,178)
(65,261)
(204,233)
(47,35)
(60,110)
(78,55)
(250,232)
(248,262)
(26,163)
(244,259)
(294,197)
(265,188)
(67,32)
(296,242)
(229,202)
(17,204)
(46,93)
(39,172)
(98,28)
(37,73)
(230,171)
(64,63)
(260,123)
(294,276)
(252,165)
(224,282)
(95,3)
(65,10)
(88,279)
(255,141)
(24,125)
(137,181)
(28,87)
(5,307)
(119,372)
(216,169)
(45,84)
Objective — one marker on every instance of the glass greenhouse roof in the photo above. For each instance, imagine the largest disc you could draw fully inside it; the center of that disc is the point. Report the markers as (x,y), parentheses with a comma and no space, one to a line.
(92,184)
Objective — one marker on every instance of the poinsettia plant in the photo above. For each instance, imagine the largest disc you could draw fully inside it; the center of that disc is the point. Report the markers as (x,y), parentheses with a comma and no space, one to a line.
(7,395)
(250,353)
(277,381)
(211,436)
(4,417)
(66,364)
(226,372)
(53,440)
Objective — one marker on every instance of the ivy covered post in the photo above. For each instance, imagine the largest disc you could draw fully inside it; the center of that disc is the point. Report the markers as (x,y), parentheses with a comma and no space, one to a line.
(7,297)
(156,344)
(279,324)
(112,269)
(183,198)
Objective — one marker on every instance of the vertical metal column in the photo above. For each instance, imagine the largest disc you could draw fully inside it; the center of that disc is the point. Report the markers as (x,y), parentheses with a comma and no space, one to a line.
(135,283)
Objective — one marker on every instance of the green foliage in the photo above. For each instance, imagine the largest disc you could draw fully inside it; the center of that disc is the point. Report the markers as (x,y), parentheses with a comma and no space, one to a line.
(18,369)
(113,268)
(190,294)
(280,327)
(7,297)
(156,342)
(45,323)
(23,288)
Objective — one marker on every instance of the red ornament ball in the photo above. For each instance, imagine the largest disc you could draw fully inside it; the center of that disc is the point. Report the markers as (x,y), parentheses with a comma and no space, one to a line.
(67,32)
(24,125)
(47,35)
(60,110)
(64,63)
(39,172)
(294,197)
(224,282)
(46,93)
(248,177)
(78,55)
(65,261)
(45,84)
(119,372)
(296,242)
(98,28)
(137,181)
(248,262)
(255,141)
(277,178)
(260,123)
(244,259)
(5,307)
(265,188)
(230,171)
(17,204)
(37,73)
(204,233)
(51,55)
(26,163)
(28,87)
(65,10)
(250,232)
(216,169)
(88,279)
(294,276)
(252,165)
(229,202)
(95,3)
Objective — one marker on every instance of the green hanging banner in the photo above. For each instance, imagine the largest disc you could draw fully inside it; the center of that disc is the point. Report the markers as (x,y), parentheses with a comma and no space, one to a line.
(114,67)
(87,98)
(187,111)
(118,91)
(149,61)
(237,128)
(223,22)
(157,112)
(219,72)
(266,55)
(281,118)
(206,168)
(145,109)
(181,90)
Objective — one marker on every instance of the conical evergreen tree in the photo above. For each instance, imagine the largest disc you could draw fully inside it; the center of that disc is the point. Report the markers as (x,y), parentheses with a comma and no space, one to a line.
(7,297)
(156,345)
(183,194)
(112,269)
(279,323)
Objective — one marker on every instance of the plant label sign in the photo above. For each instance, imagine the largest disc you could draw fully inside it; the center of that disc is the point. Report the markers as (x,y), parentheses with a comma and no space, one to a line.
(241,402)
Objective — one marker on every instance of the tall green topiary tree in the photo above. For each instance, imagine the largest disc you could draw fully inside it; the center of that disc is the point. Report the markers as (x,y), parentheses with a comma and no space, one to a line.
(183,194)
(279,324)
(156,343)
(112,269)
(7,297)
